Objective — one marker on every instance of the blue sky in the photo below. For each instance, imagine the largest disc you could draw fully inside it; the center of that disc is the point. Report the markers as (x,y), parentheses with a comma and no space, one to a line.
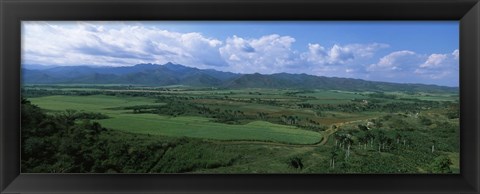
(392,51)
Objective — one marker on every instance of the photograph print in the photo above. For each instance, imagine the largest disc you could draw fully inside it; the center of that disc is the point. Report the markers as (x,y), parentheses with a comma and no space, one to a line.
(240,97)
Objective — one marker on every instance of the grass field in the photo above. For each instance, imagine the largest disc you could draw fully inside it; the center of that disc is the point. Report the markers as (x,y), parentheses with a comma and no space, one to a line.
(96,103)
(197,127)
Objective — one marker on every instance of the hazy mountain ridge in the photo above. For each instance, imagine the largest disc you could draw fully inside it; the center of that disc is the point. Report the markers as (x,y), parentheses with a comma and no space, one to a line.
(174,74)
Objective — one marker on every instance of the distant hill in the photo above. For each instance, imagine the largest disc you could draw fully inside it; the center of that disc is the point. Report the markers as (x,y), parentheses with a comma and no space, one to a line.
(174,74)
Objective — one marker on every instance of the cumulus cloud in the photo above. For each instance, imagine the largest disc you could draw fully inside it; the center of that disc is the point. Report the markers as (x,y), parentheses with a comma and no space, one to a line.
(124,44)
(274,53)
(91,44)
(439,66)
(267,54)
(396,61)
(456,54)
(417,68)
(434,60)
(338,54)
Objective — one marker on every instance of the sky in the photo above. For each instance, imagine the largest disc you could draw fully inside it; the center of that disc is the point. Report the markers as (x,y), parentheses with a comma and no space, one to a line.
(392,51)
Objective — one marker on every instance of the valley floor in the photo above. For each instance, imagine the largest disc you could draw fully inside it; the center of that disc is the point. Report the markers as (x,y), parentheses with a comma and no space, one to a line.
(208,130)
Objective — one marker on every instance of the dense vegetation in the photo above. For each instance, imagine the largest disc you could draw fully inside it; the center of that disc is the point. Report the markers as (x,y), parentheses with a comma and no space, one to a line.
(144,129)
(70,142)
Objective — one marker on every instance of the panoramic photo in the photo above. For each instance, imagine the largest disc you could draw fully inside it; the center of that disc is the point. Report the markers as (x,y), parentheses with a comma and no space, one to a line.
(283,97)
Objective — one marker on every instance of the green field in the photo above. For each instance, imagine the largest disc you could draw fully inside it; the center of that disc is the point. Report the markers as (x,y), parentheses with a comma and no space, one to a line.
(207,130)
(187,126)
(96,103)
(199,127)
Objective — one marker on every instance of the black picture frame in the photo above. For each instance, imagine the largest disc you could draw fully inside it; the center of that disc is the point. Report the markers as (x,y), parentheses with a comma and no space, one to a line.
(12,12)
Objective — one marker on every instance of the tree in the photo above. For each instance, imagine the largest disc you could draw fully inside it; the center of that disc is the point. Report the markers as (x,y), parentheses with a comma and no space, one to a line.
(333,156)
(339,138)
(441,164)
(296,162)
(398,136)
(348,141)
(363,140)
(362,127)
(67,118)
(262,115)
(433,145)
(380,136)
(369,136)
(425,121)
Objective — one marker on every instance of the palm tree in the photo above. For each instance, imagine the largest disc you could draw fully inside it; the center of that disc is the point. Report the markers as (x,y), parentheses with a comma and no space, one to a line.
(333,155)
(398,136)
(433,145)
(388,141)
(363,140)
(369,137)
(339,138)
(381,138)
(348,140)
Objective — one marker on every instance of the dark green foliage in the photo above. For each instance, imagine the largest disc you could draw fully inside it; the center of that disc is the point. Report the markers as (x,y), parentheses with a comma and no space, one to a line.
(362,127)
(193,156)
(69,142)
(381,95)
(425,121)
(295,162)
(441,164)
(91,116)
(386,107)
(31,117)
(453,111)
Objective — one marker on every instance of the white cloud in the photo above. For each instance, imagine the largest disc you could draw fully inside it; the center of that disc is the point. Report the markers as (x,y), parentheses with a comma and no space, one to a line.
(434,60)
(317,54)
(456,54)
(366,50)
(92,44)
(439,66)
(274,53)
(408,66)
(338,55)
(267,54)
(396,61)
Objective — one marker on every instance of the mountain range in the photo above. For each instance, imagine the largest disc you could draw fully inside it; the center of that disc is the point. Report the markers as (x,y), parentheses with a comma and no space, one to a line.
(175,74)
